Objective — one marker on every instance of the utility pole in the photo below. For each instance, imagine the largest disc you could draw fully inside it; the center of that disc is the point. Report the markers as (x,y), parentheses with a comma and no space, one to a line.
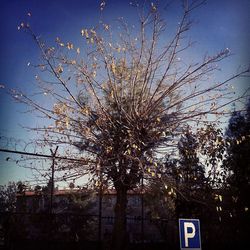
(100,207)
(53,154)
(142,211)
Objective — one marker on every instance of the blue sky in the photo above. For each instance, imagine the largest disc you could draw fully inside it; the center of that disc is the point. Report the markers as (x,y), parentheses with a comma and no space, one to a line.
(218,25)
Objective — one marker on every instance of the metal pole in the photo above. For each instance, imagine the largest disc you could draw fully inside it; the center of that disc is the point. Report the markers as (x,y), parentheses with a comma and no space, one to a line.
(142,212)
(100,210)
(52,179)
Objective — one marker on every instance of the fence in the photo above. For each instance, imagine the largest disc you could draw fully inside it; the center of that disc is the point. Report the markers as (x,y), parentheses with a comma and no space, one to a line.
(77,231)
(18,228)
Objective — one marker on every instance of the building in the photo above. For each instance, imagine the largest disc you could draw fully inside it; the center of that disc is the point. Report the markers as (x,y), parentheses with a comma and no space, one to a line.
(85,205)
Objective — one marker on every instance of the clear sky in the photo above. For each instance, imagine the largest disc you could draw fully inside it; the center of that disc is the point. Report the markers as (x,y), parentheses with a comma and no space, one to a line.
(219,24)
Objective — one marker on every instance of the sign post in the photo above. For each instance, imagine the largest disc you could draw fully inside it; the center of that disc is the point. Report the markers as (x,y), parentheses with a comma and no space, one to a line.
(190,236)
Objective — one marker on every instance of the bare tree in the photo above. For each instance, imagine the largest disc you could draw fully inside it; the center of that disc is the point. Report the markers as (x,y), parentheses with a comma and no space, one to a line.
(124,98)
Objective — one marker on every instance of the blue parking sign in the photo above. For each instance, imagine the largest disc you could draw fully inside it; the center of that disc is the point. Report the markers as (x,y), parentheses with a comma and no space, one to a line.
(190,236)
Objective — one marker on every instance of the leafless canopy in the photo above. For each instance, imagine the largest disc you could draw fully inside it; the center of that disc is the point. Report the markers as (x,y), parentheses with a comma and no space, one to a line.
(125,94)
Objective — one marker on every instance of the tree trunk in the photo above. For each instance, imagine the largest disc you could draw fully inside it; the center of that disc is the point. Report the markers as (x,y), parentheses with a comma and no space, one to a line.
(119,229)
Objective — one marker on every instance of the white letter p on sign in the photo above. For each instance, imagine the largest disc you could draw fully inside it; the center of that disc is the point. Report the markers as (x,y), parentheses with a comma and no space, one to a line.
(188,235)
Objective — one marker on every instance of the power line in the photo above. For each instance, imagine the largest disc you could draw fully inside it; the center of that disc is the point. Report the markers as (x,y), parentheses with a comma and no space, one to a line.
(42,155)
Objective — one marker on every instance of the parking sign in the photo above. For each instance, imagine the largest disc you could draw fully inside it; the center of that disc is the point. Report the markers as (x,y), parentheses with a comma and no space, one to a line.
(190,237)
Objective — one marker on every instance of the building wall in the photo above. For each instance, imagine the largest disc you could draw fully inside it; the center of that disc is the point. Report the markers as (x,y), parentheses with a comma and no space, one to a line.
(37,203)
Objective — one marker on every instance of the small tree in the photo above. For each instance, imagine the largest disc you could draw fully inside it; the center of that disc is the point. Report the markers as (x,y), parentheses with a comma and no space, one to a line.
(8,197)
(191,183)
(125,99)
(237,163)
(190,177)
